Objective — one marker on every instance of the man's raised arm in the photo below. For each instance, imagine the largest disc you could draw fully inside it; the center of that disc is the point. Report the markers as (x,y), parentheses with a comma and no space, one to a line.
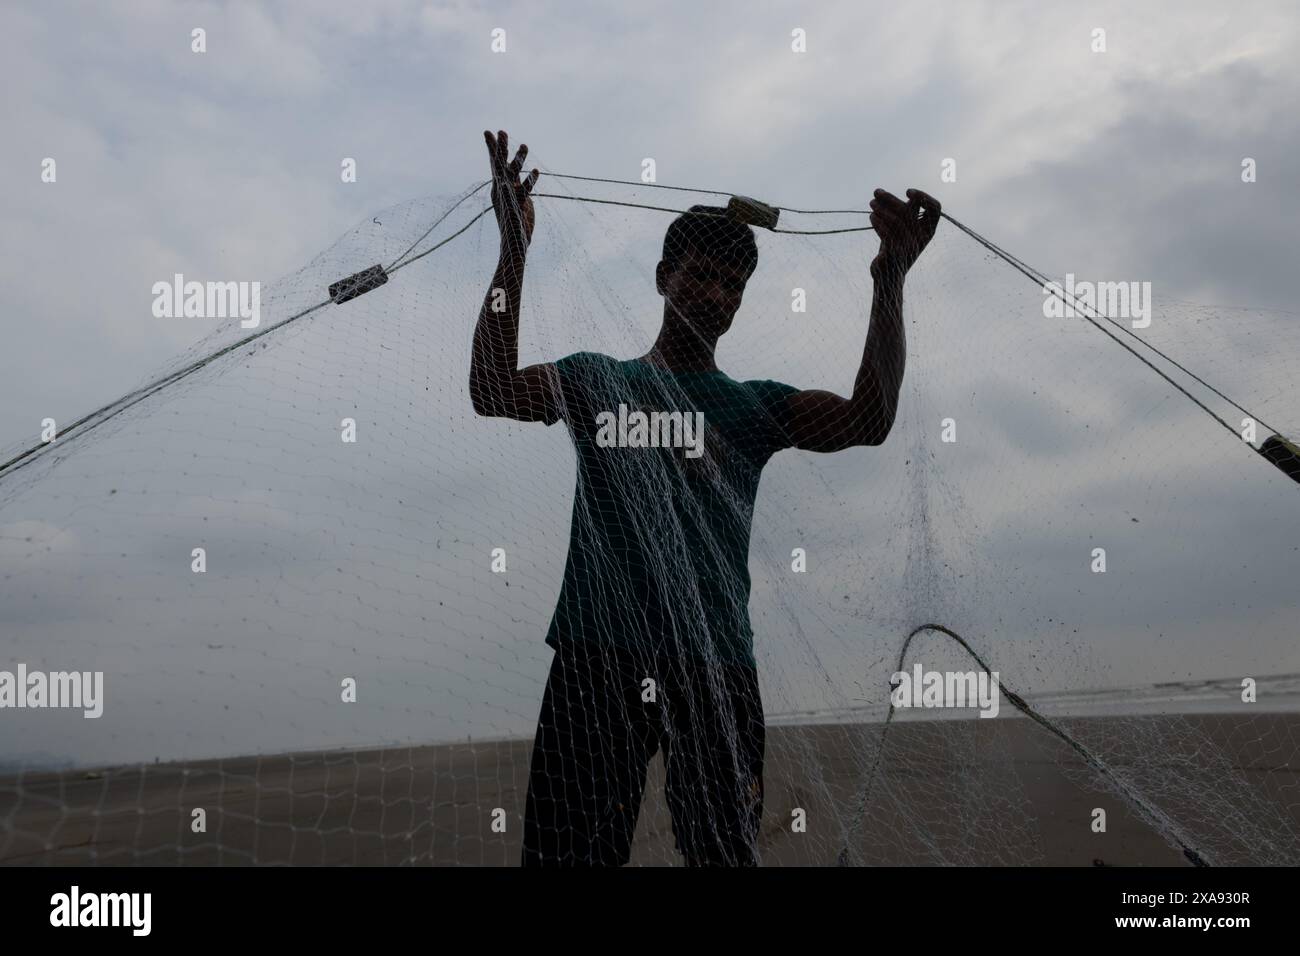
(816,420)
(497,386)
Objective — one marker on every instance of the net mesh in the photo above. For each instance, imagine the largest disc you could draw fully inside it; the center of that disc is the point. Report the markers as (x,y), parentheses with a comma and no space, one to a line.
(422,561)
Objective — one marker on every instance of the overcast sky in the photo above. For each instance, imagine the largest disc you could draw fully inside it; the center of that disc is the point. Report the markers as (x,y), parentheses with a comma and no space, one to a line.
(1122,165)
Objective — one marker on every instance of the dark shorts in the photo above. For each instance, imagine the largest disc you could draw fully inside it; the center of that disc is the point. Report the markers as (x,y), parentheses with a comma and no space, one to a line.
(595,739)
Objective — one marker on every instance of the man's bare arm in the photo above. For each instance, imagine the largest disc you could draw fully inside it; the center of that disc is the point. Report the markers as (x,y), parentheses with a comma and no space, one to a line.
(497,386)
(816,420)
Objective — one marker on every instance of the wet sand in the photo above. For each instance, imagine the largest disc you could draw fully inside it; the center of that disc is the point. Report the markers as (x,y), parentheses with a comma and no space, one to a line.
(1000,792)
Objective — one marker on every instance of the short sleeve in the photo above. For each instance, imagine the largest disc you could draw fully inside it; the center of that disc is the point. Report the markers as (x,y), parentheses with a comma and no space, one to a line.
(566,365)
(576,383)
(772,397)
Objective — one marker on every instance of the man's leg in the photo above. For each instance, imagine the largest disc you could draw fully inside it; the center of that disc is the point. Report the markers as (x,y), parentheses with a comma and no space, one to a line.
(589,762)
(713,747)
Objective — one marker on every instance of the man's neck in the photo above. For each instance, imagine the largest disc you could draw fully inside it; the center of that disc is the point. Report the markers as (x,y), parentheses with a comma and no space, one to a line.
(681,350)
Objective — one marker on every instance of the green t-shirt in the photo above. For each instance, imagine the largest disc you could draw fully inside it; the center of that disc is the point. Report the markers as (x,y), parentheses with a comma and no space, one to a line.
(659,545)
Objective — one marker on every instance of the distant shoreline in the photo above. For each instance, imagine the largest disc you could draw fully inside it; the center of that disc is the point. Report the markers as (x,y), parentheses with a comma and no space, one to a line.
(979,791)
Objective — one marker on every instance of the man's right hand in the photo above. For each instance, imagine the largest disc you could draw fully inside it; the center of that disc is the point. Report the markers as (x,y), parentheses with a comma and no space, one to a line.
(511,197)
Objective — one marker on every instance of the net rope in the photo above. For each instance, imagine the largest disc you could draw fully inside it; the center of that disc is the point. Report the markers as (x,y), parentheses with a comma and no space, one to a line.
(401,261)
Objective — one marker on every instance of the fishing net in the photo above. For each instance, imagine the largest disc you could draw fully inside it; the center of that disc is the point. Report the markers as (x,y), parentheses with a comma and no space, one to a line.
(356,673)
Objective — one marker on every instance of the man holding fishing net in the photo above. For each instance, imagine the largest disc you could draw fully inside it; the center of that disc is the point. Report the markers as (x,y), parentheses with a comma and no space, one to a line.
(653,646)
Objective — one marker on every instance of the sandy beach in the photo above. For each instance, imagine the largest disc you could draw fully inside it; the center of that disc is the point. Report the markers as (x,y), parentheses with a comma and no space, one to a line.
(980,792)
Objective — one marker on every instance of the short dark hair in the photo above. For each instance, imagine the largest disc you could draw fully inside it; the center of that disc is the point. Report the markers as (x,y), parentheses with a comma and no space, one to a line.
(711,231)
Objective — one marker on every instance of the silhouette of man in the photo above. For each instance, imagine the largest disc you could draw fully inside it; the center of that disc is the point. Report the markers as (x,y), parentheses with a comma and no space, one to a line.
(653,646)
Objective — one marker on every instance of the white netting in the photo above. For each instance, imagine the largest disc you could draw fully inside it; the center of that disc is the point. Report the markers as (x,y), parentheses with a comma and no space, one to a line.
(374,560)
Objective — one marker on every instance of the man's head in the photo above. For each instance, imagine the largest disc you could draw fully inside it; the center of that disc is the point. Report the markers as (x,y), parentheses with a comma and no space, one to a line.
(708,257)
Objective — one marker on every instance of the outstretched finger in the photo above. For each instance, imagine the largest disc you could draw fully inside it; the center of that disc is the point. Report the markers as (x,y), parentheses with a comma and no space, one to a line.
(495,156)
(531,181)
(503,148)
(517,163)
